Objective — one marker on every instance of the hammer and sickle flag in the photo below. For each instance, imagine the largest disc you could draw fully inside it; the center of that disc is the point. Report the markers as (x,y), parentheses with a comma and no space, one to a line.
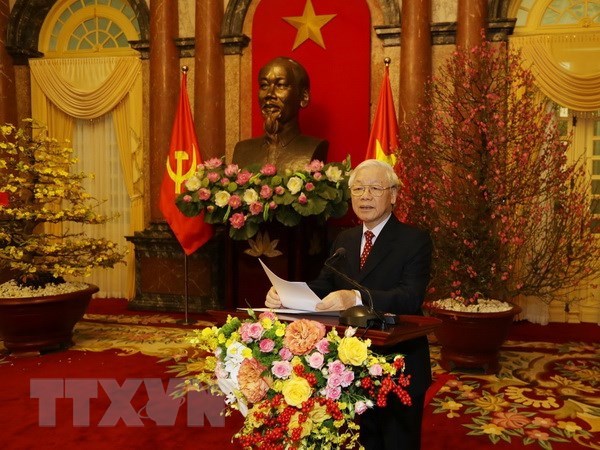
(383,141)
(184,155)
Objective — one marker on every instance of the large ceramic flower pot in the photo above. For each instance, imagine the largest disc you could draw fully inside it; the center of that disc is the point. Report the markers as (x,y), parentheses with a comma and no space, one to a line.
(33,325)
(471,340)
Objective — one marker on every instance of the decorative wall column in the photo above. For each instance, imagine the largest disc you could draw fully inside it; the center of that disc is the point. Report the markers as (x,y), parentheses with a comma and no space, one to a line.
(160,264)
(164,92)
(209,79)
(415,55)
(471,18)
(8,92)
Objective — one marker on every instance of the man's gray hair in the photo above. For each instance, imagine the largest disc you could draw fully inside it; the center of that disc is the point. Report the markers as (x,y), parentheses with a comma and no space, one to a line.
(390,175)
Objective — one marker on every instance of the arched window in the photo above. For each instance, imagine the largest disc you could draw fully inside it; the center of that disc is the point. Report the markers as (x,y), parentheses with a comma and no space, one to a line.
(89,28)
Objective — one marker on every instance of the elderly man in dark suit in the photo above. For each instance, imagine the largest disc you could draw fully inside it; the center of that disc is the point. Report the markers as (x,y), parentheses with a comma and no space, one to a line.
(392,260)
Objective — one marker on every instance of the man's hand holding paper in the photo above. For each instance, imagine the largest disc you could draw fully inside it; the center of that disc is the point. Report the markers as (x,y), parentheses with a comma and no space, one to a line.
(337,301)
(289,294)
(273,301)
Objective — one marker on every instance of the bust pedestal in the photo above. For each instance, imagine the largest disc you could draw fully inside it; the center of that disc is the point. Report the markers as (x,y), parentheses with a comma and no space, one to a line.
(304,249)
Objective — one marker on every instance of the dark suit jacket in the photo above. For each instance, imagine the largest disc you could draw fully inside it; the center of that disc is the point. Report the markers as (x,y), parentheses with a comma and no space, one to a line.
(396,273)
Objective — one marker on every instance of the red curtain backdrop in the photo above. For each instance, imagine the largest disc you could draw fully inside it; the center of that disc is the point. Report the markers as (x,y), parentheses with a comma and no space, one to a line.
(339,73)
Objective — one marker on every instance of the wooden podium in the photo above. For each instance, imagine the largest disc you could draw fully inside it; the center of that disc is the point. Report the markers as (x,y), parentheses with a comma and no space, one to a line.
(406,328)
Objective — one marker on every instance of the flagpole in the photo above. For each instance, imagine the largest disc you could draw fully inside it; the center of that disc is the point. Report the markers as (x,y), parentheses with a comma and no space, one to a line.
(183,159)
(185,289)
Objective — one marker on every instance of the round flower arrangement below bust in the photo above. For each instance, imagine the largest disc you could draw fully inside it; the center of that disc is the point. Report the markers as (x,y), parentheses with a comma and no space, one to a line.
(246,197)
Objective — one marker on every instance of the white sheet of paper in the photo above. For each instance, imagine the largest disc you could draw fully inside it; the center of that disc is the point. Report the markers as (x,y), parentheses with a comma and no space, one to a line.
(282,311)
(293,294)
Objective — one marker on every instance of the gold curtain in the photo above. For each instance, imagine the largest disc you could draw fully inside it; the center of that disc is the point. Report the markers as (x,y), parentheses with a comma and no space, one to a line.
(87,88)
(574,89)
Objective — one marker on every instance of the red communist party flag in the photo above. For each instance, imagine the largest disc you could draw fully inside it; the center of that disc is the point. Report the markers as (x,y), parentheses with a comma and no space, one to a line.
(184,155)
(383,141)
(4,198)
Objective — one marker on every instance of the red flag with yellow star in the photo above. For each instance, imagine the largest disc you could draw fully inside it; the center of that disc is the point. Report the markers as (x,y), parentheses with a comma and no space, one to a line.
(184,155)
(383,141)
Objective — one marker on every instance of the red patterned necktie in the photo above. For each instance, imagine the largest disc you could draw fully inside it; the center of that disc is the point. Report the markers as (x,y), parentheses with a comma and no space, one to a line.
(369,235)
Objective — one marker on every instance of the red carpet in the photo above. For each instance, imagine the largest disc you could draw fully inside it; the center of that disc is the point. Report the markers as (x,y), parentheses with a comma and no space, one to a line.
(20,413)
(466,410)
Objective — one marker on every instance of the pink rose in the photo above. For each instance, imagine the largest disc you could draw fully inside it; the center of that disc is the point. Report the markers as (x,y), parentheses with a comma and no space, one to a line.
(302,199)
(309,186)
(317,176)
(268,170)
(251,331)
(187,198)
(286,354)
(347,378)
(235,201)
(266,345)
(279,190)
(204,194)
(272,205)
(237,221)
(333,392)
(334,380)
(231,170)
(213,163)
(314,166)
(323,346)
(224,181)
(213,177)
(243,177)
(281,369)
(360,407)
(266,191)
(315,360)
(375,370)
(336,367)
(256,208)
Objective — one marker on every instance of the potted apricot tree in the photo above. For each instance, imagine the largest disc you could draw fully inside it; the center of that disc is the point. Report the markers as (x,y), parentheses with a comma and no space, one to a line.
(40,200)
(509,215)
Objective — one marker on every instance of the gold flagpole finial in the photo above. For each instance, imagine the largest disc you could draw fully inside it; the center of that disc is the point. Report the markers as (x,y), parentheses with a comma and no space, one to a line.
(387,61)
(184,69)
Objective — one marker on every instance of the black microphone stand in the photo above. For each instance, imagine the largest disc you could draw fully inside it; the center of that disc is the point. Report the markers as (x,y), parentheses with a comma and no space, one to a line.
(359,315)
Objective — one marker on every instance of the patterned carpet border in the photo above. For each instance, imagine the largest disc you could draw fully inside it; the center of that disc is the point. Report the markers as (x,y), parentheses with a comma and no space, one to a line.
(545,395)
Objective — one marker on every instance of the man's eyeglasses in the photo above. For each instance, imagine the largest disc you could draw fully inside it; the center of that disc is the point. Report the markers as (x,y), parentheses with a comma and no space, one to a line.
(376,191)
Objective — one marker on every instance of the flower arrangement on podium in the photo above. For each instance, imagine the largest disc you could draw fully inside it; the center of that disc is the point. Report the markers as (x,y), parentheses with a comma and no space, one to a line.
(297,385)
(246,197)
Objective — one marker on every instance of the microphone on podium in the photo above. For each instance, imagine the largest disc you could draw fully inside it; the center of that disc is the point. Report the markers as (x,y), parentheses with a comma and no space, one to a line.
(363,316)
